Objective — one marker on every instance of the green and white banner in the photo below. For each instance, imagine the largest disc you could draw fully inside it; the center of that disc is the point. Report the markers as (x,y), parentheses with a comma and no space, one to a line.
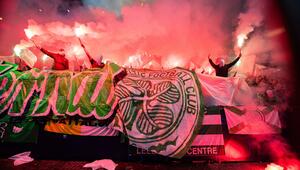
(87,94)
(6,67)
(160,111)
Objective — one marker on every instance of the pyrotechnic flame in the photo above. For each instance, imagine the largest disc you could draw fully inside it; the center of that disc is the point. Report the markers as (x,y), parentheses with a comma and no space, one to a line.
(173,61)
(241,40)
(80,30)
(209,70)
(134,61)
(131,59)
(18,49)
(75,51)
(176,63)
(44,57)
(29,33)
(273,166)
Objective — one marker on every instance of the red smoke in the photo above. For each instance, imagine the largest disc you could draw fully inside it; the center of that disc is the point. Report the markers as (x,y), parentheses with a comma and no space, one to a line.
(279,151)
(178,31)
(186,29)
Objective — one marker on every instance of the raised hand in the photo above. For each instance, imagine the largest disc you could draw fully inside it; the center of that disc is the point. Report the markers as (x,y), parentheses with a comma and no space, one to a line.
(208,56)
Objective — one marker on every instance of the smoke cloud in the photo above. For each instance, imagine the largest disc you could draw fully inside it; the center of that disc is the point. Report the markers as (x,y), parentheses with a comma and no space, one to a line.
(180,30)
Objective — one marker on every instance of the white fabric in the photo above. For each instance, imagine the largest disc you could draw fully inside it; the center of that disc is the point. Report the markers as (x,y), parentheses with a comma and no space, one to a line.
(21,158)
(211,120)
(28,57)
(208,140)
(231,91)
(103,163)
(253,120)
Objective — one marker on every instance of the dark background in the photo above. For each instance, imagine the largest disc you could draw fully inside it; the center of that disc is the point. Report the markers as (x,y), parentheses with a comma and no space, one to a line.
(291,15)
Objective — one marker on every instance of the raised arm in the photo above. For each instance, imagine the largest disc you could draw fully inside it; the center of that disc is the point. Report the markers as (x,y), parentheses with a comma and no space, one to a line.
(85,50)
(92,61)
(48,53)
(234,61)
(211,62)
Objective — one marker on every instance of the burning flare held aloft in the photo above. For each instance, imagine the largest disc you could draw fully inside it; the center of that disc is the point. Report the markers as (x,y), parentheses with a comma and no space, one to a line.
(241,40)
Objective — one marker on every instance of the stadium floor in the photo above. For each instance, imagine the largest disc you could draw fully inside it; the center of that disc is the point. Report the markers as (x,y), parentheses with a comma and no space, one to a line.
(6,164)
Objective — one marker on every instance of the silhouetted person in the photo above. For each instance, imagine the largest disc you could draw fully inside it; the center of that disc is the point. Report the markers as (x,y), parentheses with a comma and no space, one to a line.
(94,63)
(221,68)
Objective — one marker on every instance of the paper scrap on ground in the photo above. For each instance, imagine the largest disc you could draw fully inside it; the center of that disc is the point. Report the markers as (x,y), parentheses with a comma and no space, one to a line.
(103,163)
(21,158)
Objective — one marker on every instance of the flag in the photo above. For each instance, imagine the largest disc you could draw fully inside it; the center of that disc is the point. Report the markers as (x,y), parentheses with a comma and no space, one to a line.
(220,91)
(252,120)
(87,94)
(160,110)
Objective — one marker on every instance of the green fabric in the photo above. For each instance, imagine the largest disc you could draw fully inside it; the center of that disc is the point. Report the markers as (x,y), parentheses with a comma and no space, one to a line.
(7,67)
(22,130)
(87,94)
(4,121)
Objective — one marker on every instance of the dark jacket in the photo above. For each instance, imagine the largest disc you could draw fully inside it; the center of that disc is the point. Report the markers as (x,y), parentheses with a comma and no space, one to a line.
(222,71)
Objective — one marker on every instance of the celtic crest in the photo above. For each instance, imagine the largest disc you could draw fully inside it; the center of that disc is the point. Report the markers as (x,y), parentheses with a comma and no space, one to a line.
(147,105)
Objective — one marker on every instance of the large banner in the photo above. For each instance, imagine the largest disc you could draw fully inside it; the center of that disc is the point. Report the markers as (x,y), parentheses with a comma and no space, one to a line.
(87,94)
(160,111)
(225,91)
